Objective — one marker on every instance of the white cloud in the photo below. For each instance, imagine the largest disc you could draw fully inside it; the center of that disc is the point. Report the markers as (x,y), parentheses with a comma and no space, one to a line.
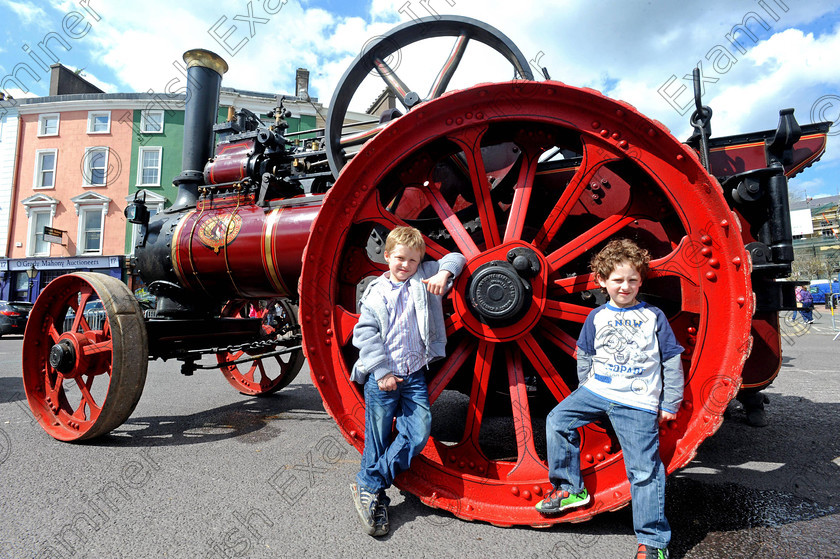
(28,12)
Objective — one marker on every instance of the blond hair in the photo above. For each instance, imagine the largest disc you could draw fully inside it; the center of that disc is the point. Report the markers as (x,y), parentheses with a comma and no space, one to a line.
(407,236)
(618,252)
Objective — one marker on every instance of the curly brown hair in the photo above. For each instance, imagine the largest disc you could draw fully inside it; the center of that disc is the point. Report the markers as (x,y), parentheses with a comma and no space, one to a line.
(617,252)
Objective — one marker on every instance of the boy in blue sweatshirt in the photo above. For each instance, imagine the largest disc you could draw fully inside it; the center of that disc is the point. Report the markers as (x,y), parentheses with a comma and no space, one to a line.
(630,372)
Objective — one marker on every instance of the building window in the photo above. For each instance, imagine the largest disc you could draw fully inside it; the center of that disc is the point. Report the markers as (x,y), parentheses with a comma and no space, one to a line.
(48,125)
(148,170)
(99,122)
(91,208)
(45,168)
(151,122)
(37,246)
(90,230)
(95,167)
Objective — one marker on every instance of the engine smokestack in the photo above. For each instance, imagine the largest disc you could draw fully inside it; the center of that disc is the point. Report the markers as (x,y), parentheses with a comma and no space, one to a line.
(204,82)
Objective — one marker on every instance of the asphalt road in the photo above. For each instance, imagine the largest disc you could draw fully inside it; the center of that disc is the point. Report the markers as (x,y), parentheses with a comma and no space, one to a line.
(202,471)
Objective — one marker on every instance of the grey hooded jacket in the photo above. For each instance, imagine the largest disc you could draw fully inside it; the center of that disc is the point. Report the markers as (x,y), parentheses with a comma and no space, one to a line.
(370,332)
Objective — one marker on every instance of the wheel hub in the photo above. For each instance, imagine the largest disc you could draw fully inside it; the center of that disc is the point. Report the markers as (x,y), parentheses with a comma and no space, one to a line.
(63,356)
(499,292)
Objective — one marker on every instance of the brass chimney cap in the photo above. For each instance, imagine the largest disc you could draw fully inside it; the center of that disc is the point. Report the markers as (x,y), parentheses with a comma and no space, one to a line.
(206,59)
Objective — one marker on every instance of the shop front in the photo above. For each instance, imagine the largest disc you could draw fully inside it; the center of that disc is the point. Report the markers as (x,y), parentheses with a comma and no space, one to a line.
(24,278)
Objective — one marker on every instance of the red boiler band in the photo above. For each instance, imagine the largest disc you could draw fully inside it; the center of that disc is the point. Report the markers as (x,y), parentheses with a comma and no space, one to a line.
(232,248)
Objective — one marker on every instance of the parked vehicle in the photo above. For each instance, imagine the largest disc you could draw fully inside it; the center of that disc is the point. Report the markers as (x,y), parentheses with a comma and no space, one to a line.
(13,316)
(821,290)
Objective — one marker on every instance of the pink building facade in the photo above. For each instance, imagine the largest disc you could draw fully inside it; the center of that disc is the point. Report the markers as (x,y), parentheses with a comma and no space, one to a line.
(70,191)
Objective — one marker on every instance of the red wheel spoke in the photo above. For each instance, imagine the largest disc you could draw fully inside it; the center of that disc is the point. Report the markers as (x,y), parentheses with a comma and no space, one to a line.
(79,319)
(105,346)
(53,333)
(453,324)
(470,142)
(544,368)
(373,211)
(478,393)
(442,80)
(391,79)
(86,398)
(54,388)
(527,462)
(451,366)
(594,157)
(576,284)
(587,241)
(357,265)
(553,334)
(566,311)
(683,262)
(451,222)
(264,380)
(344,323)
(522,195)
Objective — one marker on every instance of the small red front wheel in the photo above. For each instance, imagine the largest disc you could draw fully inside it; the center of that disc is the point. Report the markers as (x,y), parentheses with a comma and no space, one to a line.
(85,355)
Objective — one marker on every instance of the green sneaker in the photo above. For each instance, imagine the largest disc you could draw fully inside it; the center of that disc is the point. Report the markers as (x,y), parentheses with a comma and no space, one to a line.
(647,552)
(558,500)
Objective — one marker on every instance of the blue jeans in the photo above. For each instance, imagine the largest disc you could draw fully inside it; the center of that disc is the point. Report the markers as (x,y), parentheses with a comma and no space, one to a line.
(638,434)
(383,458)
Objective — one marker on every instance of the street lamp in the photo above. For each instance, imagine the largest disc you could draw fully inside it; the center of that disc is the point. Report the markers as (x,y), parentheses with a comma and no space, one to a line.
(31,272)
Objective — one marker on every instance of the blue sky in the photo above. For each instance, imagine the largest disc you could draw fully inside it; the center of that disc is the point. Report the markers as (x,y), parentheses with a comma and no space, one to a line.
(628,50)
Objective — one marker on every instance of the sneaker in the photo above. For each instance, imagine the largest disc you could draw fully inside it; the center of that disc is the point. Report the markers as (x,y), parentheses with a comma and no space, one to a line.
(647,552)
(558,500)
(365,502)
(380,515)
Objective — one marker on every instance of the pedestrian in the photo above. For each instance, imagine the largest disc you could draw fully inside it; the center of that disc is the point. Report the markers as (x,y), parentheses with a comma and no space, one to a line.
(400,330)
(806,304)
(630,372)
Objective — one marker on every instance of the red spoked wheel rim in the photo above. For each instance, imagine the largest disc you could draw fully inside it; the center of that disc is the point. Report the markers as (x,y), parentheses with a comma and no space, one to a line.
(469,170)
(84,381)
(263,376)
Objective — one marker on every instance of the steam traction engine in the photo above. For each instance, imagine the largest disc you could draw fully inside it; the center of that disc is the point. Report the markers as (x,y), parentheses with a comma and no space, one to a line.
(526,179)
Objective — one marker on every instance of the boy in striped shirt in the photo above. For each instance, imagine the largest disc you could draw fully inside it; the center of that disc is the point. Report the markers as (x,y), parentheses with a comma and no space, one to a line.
(400,331)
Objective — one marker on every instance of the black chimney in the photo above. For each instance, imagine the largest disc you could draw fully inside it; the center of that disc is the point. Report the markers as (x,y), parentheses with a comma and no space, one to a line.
(204,81)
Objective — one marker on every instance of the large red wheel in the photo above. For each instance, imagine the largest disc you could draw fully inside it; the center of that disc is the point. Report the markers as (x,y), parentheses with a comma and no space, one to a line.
(263,376)
(548,173)
(84,380)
